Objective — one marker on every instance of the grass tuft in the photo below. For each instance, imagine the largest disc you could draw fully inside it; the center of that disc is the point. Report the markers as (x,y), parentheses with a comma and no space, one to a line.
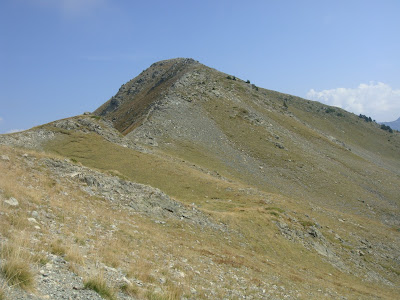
(15,266)
(307,223)
(57,248)
(3,292)
(17,273)
(98,284)
(130,289)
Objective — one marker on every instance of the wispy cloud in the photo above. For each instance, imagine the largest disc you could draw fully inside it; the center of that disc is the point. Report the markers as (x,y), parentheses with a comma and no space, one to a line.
(377,100)
(72,7)
(1,119)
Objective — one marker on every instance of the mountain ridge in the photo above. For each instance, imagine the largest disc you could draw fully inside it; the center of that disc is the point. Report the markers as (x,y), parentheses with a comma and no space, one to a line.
(194,183)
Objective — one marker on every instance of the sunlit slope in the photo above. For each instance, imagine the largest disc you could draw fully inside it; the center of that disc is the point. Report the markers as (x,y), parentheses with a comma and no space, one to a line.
(276,142)
(251,214)
(308,194)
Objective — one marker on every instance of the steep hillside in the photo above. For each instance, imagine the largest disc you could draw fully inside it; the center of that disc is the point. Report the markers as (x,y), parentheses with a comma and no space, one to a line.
(274,141)
(193,183)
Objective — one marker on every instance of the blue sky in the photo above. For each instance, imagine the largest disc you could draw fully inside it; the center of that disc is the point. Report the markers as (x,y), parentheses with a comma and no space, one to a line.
(59,58)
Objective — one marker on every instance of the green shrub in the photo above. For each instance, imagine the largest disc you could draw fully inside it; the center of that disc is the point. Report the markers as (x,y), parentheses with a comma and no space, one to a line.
(366,119)
(329,110)
(387,128)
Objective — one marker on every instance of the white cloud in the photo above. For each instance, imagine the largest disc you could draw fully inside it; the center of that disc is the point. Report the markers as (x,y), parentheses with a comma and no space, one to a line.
(377,100)
(1,119)
(15,130)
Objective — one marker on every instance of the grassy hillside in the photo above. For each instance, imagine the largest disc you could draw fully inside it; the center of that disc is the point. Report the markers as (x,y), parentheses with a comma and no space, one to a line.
(299,200)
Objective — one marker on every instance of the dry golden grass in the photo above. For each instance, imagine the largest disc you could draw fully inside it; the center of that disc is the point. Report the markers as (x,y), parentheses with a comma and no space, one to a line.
(145,249)
(97,283)
(3,288)
(130,289)
(16,263)
(57,248)
(74,255)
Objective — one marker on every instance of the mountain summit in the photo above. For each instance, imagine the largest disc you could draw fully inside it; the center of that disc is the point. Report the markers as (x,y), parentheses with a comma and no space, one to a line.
(193,183)
(135,98)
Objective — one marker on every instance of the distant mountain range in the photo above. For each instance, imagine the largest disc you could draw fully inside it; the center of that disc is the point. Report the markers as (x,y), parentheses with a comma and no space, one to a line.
(393,124)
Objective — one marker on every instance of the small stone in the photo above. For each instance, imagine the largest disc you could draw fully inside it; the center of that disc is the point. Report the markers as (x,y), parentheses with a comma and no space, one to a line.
(86,113)
(5,158)
(12,201)
(126,280)
(35,214)
(193,290)
(37,227)
(32,220)
(181,274)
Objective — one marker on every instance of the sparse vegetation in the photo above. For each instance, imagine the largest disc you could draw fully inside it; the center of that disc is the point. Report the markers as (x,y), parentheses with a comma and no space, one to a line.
(15,266)
(130,289)
(387,128)
(330,110)
(277,209)
(17,273)
(2,292)
(285,104)
(58,248)
(306,223)
(3,289)
(254,193)
(365,118)
(98,284)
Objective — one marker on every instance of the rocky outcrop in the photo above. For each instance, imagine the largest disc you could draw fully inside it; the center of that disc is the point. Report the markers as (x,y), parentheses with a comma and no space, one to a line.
(138,197)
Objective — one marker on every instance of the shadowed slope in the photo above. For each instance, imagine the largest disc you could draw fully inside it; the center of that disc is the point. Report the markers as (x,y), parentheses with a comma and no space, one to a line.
(134,99)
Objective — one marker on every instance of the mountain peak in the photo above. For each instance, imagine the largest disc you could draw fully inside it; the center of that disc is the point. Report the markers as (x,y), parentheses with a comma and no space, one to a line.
(135,98)
(177,60)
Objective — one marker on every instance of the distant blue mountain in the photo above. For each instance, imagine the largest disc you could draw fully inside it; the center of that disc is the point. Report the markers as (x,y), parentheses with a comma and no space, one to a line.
(393,124)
